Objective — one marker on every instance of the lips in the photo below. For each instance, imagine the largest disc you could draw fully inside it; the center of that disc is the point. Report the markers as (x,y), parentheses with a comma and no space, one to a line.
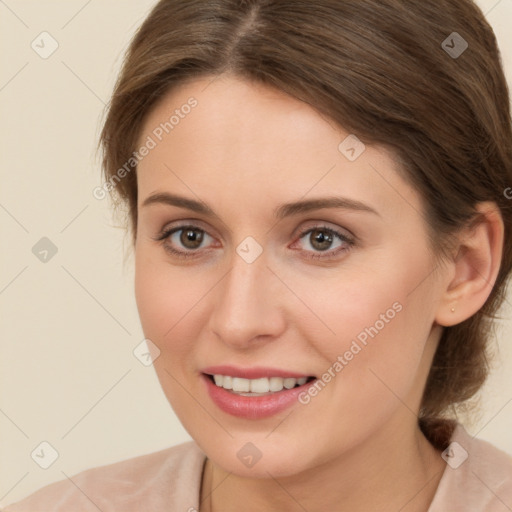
(254,393)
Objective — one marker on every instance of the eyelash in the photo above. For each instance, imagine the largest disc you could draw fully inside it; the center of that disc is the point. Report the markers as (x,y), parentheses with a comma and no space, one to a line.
(317,255)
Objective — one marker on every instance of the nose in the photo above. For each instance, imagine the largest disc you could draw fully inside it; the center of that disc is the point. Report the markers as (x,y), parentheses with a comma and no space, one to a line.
(248,305)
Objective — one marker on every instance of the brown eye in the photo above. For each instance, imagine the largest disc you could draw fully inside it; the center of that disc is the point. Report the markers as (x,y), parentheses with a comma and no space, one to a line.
(184,241)
(191,238)
(320,239)
(322,242)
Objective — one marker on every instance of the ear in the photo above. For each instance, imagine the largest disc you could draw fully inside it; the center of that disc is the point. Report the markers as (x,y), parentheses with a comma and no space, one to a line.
(474,267)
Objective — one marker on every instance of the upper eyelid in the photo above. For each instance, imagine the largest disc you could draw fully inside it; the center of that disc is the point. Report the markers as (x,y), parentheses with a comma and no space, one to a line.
(326,225)
(182,224)
(299,232)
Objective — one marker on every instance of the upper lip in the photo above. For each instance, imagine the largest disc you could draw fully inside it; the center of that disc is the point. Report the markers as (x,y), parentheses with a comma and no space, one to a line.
(255,372)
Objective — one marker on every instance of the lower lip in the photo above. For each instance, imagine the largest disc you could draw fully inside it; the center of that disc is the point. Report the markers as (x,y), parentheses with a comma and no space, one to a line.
(253,407)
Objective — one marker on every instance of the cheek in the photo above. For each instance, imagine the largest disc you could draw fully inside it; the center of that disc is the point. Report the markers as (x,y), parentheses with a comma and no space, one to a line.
(380,320)
(165,302)
(164,297)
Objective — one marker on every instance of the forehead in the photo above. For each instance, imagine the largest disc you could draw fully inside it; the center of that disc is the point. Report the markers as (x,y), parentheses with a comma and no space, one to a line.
(224,134)
(230,111)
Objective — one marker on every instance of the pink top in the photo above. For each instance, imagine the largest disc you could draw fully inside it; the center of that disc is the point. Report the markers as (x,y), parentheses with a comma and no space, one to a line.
(477,478)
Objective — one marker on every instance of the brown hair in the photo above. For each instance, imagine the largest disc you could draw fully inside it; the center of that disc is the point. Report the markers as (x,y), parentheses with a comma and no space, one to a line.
(381,69)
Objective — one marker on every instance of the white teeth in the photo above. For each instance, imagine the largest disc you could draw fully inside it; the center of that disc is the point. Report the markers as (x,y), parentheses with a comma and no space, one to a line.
(289,383)
(227,382)
(257,386)
(276,383)
(240,385)
(260,385)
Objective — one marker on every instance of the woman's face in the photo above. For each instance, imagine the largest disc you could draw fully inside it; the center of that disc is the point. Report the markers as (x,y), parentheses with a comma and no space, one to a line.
(293,253)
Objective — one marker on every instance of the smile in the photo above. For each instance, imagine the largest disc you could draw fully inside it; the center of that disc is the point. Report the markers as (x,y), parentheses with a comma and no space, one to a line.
(257,387)
(255,393)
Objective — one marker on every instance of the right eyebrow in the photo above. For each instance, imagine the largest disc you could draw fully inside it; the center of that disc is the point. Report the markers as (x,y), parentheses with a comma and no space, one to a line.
(181,202)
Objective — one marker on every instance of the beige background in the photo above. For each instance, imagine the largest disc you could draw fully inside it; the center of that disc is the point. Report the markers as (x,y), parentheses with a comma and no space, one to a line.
(69,326)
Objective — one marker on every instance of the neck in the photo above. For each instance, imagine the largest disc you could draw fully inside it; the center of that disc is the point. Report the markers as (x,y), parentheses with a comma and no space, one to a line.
(391,472)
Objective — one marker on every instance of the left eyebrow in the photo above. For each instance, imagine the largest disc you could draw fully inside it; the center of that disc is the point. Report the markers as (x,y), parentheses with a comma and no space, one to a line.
(295,208)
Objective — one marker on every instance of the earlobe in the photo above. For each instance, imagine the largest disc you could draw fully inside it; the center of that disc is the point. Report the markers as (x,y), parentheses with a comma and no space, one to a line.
(475,267)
